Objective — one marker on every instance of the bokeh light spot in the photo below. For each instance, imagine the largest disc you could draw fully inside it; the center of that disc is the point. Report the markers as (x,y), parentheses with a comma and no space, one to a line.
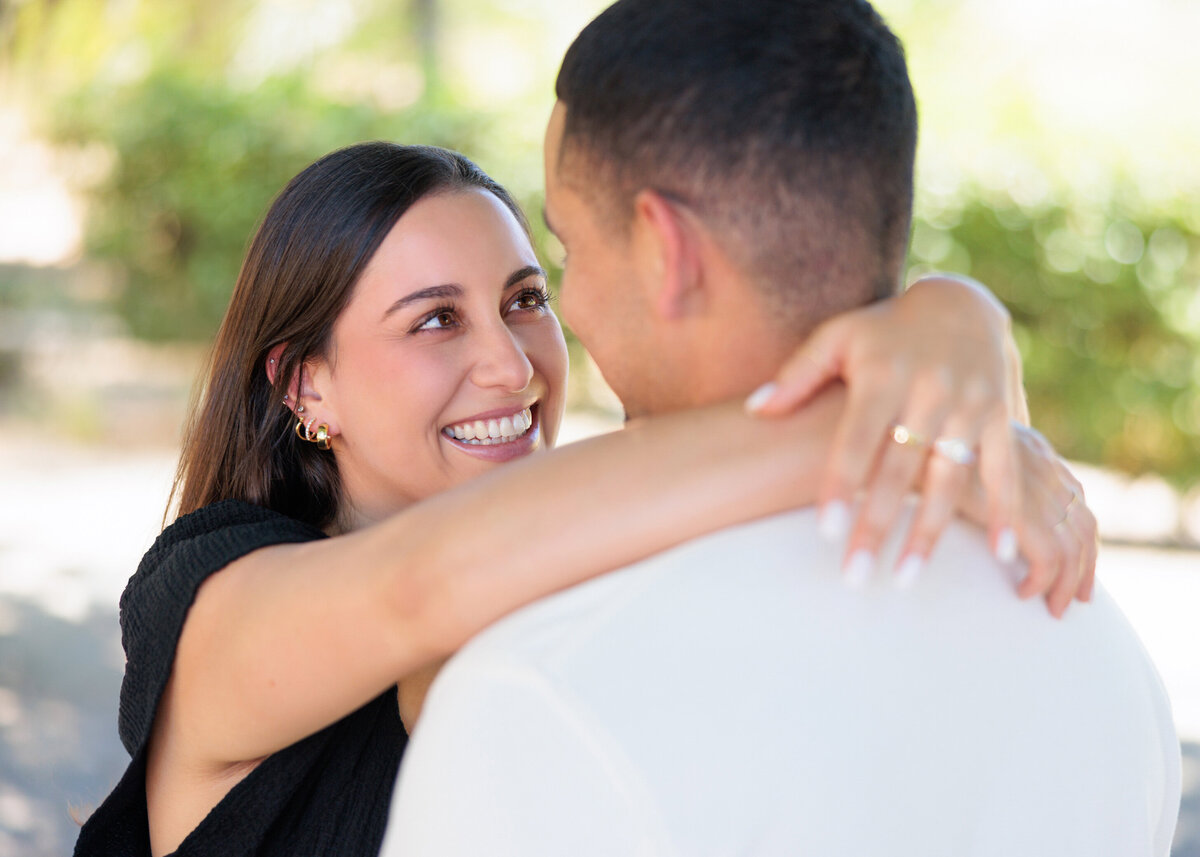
(1124,242)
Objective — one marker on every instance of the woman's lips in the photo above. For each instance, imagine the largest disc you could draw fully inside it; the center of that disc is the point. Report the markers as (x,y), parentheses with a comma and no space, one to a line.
(501,437)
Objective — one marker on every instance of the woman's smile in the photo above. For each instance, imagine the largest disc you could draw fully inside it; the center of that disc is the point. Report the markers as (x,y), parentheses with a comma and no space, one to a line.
(499,435)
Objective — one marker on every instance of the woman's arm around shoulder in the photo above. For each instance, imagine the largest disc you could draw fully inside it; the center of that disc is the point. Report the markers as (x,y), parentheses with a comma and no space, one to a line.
(291,638)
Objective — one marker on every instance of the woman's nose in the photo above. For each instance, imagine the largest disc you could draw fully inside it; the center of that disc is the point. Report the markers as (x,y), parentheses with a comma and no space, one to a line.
(501,361)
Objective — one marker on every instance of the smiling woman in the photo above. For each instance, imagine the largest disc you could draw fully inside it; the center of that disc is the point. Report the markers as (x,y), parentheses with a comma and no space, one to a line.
(452,309)
(343,524)
(378,223)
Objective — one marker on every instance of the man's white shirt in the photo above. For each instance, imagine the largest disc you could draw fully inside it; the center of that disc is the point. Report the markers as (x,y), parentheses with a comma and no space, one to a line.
(734,697)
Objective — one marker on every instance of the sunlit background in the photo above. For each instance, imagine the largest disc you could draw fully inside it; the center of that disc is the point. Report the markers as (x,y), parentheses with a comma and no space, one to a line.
(140,141)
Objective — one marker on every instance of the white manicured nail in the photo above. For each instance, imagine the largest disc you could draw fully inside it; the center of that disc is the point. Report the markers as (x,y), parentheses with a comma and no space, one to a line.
(760,397)
(834,523)
(858,570)
(908,572)
(1006,545)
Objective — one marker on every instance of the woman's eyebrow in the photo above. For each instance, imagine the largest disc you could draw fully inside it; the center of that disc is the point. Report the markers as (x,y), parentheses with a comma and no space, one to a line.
(445,291)
(448,291)
(524,274)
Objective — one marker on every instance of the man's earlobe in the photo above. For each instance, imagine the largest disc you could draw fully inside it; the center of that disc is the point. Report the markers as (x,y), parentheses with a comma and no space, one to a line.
(666,237)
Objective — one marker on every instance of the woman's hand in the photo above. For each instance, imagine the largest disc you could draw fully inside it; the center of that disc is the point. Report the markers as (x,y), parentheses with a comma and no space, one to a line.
(934,383)
(1057,531)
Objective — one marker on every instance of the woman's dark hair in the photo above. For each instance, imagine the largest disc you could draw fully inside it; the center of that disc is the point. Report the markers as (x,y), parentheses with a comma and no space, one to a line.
(298,276)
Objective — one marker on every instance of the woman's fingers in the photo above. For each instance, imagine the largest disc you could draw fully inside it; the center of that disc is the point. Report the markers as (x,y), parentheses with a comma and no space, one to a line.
(945,482)
(1056,555)
(942,430)
(1087,534)
(900,463)
(1000,475)
(1060,594)
(1045,555)
(855,448)
(817,362)
(1057,531)
(946,479)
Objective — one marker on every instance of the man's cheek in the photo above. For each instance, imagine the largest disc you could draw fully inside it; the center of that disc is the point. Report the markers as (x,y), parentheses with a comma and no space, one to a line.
(569,308)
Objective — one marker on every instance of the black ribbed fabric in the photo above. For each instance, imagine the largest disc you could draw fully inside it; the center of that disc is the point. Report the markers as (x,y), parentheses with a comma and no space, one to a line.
(326,795)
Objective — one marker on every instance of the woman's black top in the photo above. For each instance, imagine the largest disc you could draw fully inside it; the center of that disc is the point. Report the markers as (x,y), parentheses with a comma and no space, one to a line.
(325,795)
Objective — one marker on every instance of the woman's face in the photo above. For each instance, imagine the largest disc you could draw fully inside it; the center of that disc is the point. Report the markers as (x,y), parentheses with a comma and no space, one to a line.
(446,362)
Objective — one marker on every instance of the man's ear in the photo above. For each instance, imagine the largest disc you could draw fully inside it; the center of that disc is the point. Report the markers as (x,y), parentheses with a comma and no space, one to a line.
(667,241)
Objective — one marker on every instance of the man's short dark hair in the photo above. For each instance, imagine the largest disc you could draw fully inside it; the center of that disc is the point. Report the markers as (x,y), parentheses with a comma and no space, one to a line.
(789,126)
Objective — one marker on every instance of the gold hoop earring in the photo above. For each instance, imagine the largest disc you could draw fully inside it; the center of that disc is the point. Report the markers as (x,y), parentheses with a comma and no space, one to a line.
(302,429)
(322,437)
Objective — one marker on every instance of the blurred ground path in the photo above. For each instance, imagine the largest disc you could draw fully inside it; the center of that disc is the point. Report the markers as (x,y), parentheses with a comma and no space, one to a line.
(75,522)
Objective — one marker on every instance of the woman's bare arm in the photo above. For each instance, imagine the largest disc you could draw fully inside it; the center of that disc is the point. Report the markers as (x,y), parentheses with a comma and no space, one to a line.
(290,638)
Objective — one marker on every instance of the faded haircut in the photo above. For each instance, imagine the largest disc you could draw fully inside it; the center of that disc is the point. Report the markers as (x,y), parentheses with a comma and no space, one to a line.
(788,126)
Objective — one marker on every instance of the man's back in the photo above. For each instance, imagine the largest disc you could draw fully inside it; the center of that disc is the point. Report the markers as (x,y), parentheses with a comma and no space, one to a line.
(734,697)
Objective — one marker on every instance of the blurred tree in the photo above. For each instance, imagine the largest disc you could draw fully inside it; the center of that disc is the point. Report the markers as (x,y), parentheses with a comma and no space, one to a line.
(425,17)
(205,116)
(205,108)
(1106,308)
(197,163)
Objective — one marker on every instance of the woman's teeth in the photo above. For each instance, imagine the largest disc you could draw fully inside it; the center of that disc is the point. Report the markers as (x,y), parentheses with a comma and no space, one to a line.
(488,432)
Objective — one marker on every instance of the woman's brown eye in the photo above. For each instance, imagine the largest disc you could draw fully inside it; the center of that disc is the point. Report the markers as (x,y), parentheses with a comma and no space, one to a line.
(531,300)
(445,319)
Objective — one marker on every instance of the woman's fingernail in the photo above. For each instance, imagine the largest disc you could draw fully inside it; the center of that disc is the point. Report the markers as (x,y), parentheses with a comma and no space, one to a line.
(859,568)
(908,572)
(756,400)
(1006,545)
(834,523)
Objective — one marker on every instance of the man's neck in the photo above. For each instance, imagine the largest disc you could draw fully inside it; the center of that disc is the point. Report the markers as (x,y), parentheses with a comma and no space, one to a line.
(728,364)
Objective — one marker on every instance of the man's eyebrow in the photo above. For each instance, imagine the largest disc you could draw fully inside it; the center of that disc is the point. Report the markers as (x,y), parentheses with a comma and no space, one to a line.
(446,291)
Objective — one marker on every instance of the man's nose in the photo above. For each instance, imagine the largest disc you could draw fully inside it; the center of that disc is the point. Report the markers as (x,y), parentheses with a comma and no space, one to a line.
(501,360)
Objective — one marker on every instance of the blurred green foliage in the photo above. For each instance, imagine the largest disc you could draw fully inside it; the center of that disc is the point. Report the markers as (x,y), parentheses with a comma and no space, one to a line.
(1105,303)
(197,163)
(1104,292)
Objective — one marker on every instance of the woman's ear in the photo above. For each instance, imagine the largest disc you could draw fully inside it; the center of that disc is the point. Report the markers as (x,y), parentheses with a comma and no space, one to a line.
(272,367)
(272,364)
(666,238)
(299,388)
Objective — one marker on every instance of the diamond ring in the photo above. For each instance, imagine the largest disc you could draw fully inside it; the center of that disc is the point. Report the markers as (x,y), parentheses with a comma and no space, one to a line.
(956,450)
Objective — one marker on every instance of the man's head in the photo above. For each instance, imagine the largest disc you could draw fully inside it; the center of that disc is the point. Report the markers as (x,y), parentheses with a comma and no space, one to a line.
(724,175)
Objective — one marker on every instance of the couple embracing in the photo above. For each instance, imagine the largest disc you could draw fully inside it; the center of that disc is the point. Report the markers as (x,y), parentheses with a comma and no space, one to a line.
(753,647)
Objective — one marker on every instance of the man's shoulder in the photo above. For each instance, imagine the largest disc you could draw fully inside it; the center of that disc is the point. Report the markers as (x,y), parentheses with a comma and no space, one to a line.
(881,697)
(771,591)
(753,581)
(560,622)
